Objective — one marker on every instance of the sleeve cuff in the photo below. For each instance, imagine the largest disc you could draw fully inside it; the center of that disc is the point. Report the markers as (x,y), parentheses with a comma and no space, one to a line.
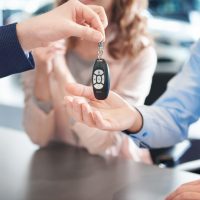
(140,136)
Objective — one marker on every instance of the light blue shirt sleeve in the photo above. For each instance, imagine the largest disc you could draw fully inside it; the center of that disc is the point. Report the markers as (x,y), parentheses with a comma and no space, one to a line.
(168,120)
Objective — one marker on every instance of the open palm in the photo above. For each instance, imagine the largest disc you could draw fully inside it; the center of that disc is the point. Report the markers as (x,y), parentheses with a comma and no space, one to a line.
(113,114)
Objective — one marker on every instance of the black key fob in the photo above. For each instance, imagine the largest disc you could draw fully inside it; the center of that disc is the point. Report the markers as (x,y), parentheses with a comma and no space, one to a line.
(101,79)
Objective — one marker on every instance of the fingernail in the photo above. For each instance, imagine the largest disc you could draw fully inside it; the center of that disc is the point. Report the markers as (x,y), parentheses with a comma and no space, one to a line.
(105,24)
(98,36)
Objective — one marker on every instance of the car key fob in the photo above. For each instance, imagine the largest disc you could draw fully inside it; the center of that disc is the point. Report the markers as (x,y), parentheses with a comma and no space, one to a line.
(101,79)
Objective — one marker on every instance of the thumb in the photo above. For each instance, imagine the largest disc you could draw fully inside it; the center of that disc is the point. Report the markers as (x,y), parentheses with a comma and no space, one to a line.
(86,32)
(80,90)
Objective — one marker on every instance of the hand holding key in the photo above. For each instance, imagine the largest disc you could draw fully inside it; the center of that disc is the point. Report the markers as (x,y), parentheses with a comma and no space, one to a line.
(73,18)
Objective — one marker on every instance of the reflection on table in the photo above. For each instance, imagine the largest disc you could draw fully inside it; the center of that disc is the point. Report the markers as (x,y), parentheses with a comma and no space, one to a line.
(64,172)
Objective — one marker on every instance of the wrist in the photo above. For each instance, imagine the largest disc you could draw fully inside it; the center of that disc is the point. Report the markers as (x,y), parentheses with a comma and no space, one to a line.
(29,33)
(45,105)
(22,36)
(138,121)
(43,67)
(41,95)
(26,33)
(42,89)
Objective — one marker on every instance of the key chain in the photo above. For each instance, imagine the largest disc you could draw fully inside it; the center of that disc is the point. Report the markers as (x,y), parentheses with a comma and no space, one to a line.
(100,76)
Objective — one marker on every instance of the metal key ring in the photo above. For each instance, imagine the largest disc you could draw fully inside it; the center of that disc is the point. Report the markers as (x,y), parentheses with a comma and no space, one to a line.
(100,50)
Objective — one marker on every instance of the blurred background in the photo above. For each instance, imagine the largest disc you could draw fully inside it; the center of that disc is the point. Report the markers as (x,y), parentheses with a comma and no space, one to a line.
(174,25)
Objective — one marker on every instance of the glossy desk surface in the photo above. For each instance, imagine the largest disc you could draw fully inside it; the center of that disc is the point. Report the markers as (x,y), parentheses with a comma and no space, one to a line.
(61,172)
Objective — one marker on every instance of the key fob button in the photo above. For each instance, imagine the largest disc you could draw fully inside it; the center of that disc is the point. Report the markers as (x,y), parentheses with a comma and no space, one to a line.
(98,86)
(98,79)
(94,79)
(102,79)
(98,72)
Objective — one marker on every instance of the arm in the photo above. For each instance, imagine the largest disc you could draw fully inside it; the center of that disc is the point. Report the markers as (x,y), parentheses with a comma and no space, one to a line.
(70,19)
(39,125)
(168,120)
(12,57)
(89,138)
(44,91)
(39,105)
(165,123)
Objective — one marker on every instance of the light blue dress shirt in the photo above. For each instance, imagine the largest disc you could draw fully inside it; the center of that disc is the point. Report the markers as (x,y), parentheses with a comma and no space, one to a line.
(168,120)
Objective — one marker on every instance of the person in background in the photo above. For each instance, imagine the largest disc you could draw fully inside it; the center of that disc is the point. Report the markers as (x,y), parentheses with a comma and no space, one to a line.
(161,125)
(68,20)
(132,60)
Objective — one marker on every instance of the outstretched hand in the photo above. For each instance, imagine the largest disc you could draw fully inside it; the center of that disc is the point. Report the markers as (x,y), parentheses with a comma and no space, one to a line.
(112,114)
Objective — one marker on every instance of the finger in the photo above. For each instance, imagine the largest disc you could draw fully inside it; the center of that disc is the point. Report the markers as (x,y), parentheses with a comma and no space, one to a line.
(102,14)
(58,52)
(59,46)
(85,15)
(87,33)
(91,17)
(87,115)
(60,42)
(68,103)
(77,111)
(80,90)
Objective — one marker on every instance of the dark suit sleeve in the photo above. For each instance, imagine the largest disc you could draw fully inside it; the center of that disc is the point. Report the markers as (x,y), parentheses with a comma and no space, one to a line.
(12,57)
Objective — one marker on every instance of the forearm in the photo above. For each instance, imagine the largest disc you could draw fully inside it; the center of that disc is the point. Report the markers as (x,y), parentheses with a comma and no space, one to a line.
(41,84)
(167,122)
(39,125)
(163,127)
(41,89)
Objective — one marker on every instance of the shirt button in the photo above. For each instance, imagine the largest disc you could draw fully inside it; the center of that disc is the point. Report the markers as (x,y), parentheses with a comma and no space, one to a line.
(144,134)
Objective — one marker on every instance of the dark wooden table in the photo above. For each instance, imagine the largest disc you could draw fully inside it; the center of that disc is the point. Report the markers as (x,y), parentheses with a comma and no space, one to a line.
(61,172)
